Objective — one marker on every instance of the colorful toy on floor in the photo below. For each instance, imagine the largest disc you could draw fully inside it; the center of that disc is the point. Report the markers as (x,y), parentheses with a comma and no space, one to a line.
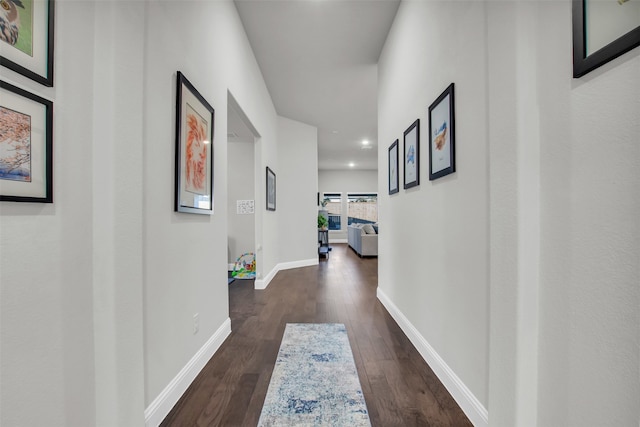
(245,267)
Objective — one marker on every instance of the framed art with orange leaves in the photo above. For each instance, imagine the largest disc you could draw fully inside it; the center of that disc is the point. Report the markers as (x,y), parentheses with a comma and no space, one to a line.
(194,150)
(26,146)
(442,153)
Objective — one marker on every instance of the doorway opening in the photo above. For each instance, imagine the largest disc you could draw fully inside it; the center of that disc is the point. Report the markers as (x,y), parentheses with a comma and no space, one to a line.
(242,139)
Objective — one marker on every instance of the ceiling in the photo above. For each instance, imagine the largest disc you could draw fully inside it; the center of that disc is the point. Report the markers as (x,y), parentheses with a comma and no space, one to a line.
(319,60)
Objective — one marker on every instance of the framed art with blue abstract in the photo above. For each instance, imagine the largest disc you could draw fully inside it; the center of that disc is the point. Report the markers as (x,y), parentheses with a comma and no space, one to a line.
(442,159)
(26,38)
(26,146)
(412,155)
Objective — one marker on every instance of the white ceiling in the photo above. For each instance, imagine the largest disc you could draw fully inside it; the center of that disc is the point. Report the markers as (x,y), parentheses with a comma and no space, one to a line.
(319,60)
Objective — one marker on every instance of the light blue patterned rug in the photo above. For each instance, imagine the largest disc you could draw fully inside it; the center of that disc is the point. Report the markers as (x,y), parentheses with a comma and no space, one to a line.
(314,381)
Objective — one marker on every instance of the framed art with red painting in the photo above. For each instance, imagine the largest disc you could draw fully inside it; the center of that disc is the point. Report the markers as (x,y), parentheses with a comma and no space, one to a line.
(194,150)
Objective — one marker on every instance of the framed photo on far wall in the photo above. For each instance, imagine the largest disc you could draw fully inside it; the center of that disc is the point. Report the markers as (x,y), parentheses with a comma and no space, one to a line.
(271,190)
(442,159)
(26,146)
(194,150)
(394,186)
(26,38)
(412,155)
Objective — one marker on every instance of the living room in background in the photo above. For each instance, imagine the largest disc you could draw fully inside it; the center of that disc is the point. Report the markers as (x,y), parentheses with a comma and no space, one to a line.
(333,205)
(362,208)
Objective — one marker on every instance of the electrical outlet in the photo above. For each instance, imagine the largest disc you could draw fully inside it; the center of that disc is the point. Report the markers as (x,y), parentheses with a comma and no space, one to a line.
(196,323)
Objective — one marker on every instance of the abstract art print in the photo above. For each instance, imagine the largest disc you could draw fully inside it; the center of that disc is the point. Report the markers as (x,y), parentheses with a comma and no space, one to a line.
(412,155)
(271,190)
(442,135)
(194,150)
(25,146)
(393,168)
(26,38)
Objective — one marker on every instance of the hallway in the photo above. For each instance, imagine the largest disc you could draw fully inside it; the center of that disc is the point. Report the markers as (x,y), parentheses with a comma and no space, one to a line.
(399,388)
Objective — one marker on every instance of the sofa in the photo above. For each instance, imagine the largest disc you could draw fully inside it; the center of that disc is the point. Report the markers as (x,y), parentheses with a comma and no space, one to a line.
(363,238)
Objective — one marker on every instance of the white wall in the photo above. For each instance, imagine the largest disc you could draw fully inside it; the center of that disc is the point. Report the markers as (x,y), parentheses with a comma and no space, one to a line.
(296,181)
(565,325)
(46,310)
(531,293)
(241,184)
(589,348)
(346,181)
(433,251)
(98,290)
(71,272)
(186,255)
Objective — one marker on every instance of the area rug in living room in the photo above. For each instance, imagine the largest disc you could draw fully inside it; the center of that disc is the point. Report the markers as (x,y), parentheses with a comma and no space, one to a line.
(314,381)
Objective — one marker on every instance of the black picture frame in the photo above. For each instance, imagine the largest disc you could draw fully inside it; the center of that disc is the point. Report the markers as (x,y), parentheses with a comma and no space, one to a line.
(393,164)
(411,169)
(195,120)
(39,118)
(442,135)
(39,65)
(583,63)
(271,190)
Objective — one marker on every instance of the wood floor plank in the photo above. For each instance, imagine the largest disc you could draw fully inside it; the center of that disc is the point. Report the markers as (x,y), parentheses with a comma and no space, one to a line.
(399,387)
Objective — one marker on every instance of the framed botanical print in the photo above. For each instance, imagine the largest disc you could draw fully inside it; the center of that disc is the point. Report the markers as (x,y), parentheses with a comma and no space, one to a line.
(26,146)
(442,159)
(394,186)
(194,150)
(271,190)
(412,155)
(26,38)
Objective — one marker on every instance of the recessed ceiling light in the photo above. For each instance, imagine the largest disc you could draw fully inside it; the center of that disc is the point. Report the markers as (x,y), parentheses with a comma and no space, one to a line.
(351,164)
(365,142)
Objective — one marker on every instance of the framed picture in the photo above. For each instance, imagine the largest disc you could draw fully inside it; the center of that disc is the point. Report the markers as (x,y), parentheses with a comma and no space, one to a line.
(394,186)
(26,38)
(602,31)
(194,150)
(26,146)
(271,190)
(412,155)
(442,159)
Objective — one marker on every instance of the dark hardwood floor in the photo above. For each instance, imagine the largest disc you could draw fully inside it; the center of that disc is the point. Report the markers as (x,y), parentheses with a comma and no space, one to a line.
(399,387)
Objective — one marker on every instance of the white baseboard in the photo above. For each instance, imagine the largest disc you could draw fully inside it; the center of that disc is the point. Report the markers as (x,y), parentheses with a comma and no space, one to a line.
(263,283)
(161,405)
(332,240)
(297,264)
(470,405)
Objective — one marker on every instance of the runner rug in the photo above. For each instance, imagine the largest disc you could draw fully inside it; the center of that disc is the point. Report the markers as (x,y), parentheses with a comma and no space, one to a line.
(314,381)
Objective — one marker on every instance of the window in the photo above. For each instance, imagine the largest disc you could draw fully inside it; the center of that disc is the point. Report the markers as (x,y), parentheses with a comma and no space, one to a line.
(334,208)
(362,208)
